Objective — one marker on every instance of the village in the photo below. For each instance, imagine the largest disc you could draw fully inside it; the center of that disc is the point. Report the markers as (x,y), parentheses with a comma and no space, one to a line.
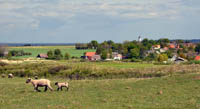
(162,50)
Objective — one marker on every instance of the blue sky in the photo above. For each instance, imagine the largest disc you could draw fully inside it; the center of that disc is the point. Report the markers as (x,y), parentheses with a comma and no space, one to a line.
(68,21)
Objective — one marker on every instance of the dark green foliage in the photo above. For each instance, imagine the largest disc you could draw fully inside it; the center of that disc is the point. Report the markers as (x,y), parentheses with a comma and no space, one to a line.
(94,44)
(67,56)
(104,55)
(197,48)
(50,54)
(57,54)
(162,57)
(81,46)
(19,53)
(134,53)
(151,57)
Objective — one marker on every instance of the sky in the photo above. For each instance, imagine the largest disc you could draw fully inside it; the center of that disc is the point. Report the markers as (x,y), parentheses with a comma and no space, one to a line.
(72,21)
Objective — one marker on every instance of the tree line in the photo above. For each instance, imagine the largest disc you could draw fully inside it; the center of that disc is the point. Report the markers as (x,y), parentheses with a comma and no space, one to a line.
(140,50)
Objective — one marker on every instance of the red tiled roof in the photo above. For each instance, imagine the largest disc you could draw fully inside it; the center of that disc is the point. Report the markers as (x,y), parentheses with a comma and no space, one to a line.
(171,46)
(90,54)
(42,55)
(197,58)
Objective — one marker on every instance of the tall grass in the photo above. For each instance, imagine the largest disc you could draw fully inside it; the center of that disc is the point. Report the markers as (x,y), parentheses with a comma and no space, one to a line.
(83,70)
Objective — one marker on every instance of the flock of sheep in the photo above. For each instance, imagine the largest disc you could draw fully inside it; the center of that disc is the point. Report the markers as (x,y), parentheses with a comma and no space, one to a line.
(42,83)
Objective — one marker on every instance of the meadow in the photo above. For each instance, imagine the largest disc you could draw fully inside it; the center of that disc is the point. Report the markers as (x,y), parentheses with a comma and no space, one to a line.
(98,85)
(35,50)
(178,91)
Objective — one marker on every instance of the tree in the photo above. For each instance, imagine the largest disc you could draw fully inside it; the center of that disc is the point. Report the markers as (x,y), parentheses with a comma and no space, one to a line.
(169,53)
(94,44)
(162,57)
(151,57)
(67,56)
(182,55)
(57,54)
(104,55)
(50,54)
(9,55)
(134,53)
(197,48)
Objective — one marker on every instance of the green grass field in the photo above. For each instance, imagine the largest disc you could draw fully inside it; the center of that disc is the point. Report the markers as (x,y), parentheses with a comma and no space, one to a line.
(179,91)
(35,50)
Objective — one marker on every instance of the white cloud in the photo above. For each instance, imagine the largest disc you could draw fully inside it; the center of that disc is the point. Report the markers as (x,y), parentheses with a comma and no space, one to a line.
(19,12)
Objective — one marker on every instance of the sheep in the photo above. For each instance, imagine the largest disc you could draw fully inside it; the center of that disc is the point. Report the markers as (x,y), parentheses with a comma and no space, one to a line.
(40,83)
(10,75)
(61,85)
(36,77)
(3,75)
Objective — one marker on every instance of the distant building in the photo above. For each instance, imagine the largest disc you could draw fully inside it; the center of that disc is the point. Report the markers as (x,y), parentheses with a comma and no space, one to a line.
(91,56)
(139,39)
(171,46)
(96,57)
(197,58)
(156,47)
(42,56)
(116,56)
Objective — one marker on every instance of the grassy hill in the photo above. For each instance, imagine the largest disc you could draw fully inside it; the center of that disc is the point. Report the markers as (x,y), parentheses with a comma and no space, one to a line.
(178,91)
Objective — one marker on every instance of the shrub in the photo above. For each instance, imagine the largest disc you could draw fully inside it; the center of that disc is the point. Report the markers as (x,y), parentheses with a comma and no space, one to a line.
(67,56)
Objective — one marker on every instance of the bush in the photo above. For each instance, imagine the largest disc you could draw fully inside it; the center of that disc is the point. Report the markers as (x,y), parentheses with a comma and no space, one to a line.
(67,56)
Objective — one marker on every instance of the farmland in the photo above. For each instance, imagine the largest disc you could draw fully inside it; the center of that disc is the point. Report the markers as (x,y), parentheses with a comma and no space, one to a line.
(35,50)
(178,91)
(99,85)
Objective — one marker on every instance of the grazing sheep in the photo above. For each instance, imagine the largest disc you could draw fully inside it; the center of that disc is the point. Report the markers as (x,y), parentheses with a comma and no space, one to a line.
(40,83)
(36,77)
(10,75)
(63,84)
(3,75)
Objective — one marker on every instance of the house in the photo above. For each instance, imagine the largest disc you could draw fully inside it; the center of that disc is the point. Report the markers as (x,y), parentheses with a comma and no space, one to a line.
(89,55)
(155,47)
(162,50)
(42,56)
(116,56)
(166,48)
(96,57)
(5,53)
(171,46)
(189,45)
(197,58)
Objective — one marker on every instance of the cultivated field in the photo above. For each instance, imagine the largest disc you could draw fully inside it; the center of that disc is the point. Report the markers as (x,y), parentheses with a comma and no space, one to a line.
(35,50)
(177,91)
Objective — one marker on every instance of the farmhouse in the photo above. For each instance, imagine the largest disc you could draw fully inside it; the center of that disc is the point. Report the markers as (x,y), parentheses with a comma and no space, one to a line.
(42,56)
(116,56)
(197,58)
(91,56)
(96,57)
(155,47)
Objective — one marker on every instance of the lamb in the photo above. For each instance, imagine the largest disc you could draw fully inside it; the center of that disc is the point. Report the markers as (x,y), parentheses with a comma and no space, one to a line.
(61,85)
(3,75)
(36,77)
(40,83)
(10,75)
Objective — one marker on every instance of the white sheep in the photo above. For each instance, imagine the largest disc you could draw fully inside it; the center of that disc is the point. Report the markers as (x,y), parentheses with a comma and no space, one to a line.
(3,75)
(40,83)
(36,77)
(61,85)
(10,75)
